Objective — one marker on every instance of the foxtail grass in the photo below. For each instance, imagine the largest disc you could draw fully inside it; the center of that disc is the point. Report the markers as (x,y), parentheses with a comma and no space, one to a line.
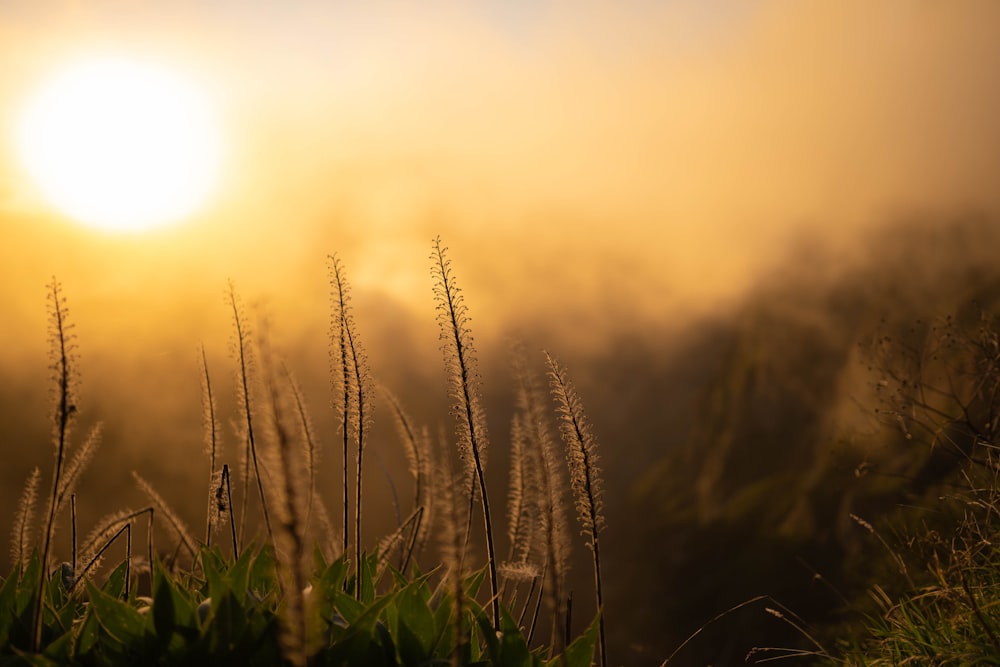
(306,429)
(223,505)
(517,504)
(547,494)
(452,542)
(109,529)
(241,351)
(417,448)
(62,355)
(20,538)
(585,475)
(289,492)
(340,372)
(464,390)
(210,427)
(358,395)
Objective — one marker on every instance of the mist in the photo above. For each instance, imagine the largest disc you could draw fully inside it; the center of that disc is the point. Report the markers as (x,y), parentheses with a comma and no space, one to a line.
(629,187)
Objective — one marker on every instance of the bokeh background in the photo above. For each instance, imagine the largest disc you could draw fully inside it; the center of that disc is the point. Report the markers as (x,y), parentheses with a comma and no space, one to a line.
(705,209)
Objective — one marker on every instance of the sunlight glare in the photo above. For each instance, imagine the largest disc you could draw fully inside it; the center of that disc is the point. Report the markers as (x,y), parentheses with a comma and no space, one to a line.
(120,145)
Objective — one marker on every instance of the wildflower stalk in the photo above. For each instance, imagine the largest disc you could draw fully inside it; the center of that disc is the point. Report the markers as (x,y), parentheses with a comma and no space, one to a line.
(289,536)
(460,359)
(584,474)
(61,342)
(22,522)
(358,399)
(242,351)
(210,425)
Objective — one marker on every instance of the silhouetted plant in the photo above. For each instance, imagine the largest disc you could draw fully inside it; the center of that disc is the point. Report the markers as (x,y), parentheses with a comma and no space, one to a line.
(21,535)
(463,380)
(358,398)
(585,475)
(318,613)
(291,493)
(62,355)
(548,492)
(241,351)
(210,427)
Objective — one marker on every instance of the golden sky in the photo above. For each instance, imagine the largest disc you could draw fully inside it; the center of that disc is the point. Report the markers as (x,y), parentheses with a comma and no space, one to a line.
(592,166)
(567,144)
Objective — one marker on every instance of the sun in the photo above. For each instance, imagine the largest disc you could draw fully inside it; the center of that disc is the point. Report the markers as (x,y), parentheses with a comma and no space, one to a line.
(120,144)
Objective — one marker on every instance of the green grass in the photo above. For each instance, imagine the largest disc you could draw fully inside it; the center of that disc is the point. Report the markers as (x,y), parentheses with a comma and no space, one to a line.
(229,611)
(306,595)
(312,593)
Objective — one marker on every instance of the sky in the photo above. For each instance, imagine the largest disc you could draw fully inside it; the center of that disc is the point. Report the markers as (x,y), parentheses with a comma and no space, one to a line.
(667,151)
(594,168)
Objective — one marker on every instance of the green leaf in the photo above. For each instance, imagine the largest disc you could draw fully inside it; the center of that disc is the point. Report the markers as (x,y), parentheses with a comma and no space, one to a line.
(88,634)
(474,582)
(580,653)
(486,631)
(115,585)
(368,568)
(60,650)
(417,627)
(226,624)
(8,597)
(117,619)
(262,578)
(163,609)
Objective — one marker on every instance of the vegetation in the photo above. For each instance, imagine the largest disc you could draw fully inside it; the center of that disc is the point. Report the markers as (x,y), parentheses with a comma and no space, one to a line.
(301,595)
(913,573)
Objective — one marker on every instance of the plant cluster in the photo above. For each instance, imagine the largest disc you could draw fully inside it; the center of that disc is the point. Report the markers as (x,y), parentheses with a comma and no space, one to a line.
(272,580)
(939,385)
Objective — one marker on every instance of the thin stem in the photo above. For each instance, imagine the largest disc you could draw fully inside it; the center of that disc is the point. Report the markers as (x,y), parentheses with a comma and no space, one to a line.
(229,505)
(64,413)
(72,512)
(241,336)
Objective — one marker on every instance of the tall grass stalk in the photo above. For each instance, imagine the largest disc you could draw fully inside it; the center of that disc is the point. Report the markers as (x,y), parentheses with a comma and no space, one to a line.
(341,376)
(62,349)
(21,535)
(460,358)
(360,397)
(224,479)
(210,425)
(417,449)
(241,350)
(76,466)
(109,529)
(517,521)
(548,489)
(72,520)
(412,449)
(289,491)
(585,479)
(452,503)
(306,428)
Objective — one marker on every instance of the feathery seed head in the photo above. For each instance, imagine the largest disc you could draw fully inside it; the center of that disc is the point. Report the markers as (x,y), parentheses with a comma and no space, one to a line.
(581,451)
(76,466)
(519,571)
(209,413)
(21,534)
(62,364)
(464,385)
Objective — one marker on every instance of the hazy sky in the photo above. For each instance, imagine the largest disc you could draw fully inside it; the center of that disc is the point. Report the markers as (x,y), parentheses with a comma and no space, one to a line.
(596,168)
(593,167)
(663,151)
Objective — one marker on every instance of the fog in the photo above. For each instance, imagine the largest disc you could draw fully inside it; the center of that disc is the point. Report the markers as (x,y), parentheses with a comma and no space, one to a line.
(619,185)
